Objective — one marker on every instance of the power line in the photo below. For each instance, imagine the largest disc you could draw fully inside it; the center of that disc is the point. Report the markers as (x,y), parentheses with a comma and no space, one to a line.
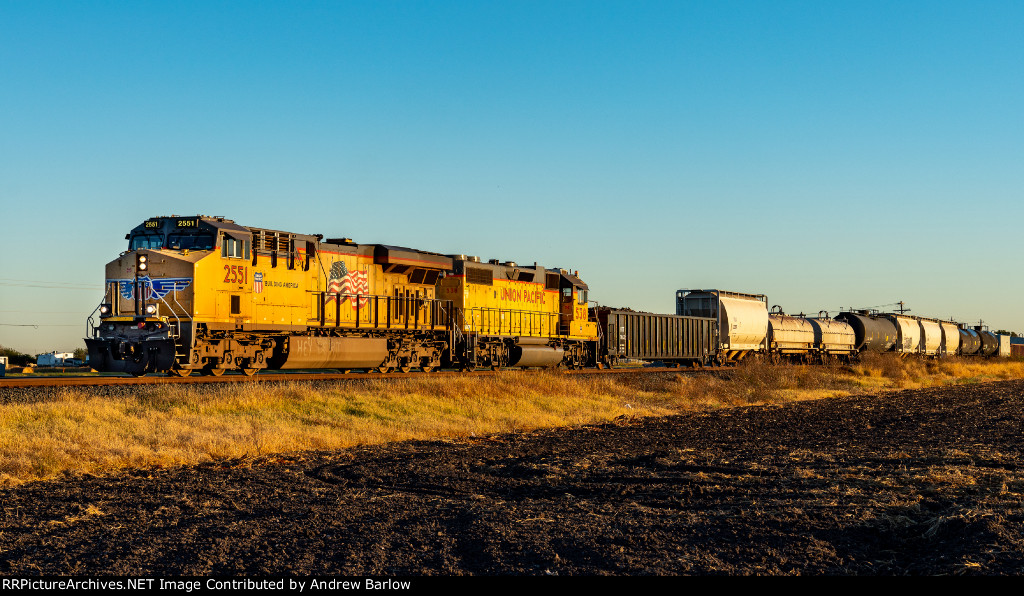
(54,285)
(36,325)
(47,311)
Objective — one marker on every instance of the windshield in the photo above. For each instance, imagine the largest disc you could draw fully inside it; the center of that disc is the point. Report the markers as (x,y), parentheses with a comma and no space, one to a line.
(175,241)
(191,241)
(146,241)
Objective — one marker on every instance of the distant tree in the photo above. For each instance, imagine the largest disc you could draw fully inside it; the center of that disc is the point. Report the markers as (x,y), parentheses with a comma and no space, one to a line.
(1010,333)
(81,353)
(16,358)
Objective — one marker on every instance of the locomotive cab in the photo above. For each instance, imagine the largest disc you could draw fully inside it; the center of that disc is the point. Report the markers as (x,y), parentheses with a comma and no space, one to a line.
(573,311)
(149,305)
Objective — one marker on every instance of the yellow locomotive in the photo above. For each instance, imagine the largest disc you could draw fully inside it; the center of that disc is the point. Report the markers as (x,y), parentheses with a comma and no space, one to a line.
(203,293)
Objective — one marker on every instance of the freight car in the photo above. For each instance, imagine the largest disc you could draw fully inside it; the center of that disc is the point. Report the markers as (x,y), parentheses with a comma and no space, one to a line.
(872,333)
(679,340)
(833,339)
(742,320)
(204,293)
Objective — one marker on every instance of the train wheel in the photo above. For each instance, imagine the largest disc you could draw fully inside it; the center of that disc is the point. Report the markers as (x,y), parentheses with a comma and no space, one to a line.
(427,368)
(384,369)
(250,371)
(181,372)
(213,372)
(404,368)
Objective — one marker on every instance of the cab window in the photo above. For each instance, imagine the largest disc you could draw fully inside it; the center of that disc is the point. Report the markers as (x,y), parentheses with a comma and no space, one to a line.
(139,241)
(234,248)
(190,241)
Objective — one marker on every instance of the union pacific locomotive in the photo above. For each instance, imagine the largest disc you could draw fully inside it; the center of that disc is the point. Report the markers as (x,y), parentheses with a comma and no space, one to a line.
(205,294)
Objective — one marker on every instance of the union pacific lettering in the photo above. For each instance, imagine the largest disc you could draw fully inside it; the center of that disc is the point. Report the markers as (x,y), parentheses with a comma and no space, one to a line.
(523,295)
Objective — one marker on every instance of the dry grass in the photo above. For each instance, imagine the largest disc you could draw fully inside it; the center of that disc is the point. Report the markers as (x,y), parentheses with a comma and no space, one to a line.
(185,424)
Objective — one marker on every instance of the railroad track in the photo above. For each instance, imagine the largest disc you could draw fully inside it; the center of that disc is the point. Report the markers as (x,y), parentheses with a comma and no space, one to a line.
(87,380)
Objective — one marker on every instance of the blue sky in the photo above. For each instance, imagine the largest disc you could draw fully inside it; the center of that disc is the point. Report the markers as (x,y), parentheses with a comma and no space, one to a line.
(826,154)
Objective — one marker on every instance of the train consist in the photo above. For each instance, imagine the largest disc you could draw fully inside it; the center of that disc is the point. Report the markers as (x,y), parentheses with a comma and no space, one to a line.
(204,294)
(747,327)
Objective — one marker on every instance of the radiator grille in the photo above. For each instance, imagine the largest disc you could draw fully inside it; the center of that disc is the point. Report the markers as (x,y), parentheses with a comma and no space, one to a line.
(475,275)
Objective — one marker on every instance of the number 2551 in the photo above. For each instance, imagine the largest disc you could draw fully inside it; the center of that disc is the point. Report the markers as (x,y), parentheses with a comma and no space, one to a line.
(236,274)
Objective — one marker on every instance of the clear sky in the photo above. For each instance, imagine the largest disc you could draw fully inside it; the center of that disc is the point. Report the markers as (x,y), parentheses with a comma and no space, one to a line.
(826,154)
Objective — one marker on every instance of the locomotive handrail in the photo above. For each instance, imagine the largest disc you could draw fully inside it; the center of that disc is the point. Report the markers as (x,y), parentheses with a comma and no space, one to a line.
(495,321)
(177,319)
(90,327)
(406,312)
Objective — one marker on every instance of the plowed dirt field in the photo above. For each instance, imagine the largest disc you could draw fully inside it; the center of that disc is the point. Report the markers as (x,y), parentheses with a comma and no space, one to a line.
(915,482)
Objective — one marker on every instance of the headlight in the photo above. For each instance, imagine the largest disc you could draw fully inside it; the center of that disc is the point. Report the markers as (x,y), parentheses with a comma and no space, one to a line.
(150,309)
(143,262)
(104,309)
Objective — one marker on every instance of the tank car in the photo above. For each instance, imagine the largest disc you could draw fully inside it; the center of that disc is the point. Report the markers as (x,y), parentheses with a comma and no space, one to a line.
(203,293)
(989,341)
(970,341)
(789,337)
(872,332)
(833,338)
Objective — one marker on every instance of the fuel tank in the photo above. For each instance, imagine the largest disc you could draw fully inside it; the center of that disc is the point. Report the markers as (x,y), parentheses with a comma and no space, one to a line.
(330,352)
(542,356)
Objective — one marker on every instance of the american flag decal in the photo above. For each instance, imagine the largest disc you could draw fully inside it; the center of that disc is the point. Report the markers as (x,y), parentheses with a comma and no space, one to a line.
(257,282)
(344,282)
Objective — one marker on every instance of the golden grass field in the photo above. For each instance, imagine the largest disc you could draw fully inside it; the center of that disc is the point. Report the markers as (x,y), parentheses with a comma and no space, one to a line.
(167,425)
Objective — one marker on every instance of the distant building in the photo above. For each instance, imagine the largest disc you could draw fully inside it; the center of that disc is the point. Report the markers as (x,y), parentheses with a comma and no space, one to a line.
(54,359)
